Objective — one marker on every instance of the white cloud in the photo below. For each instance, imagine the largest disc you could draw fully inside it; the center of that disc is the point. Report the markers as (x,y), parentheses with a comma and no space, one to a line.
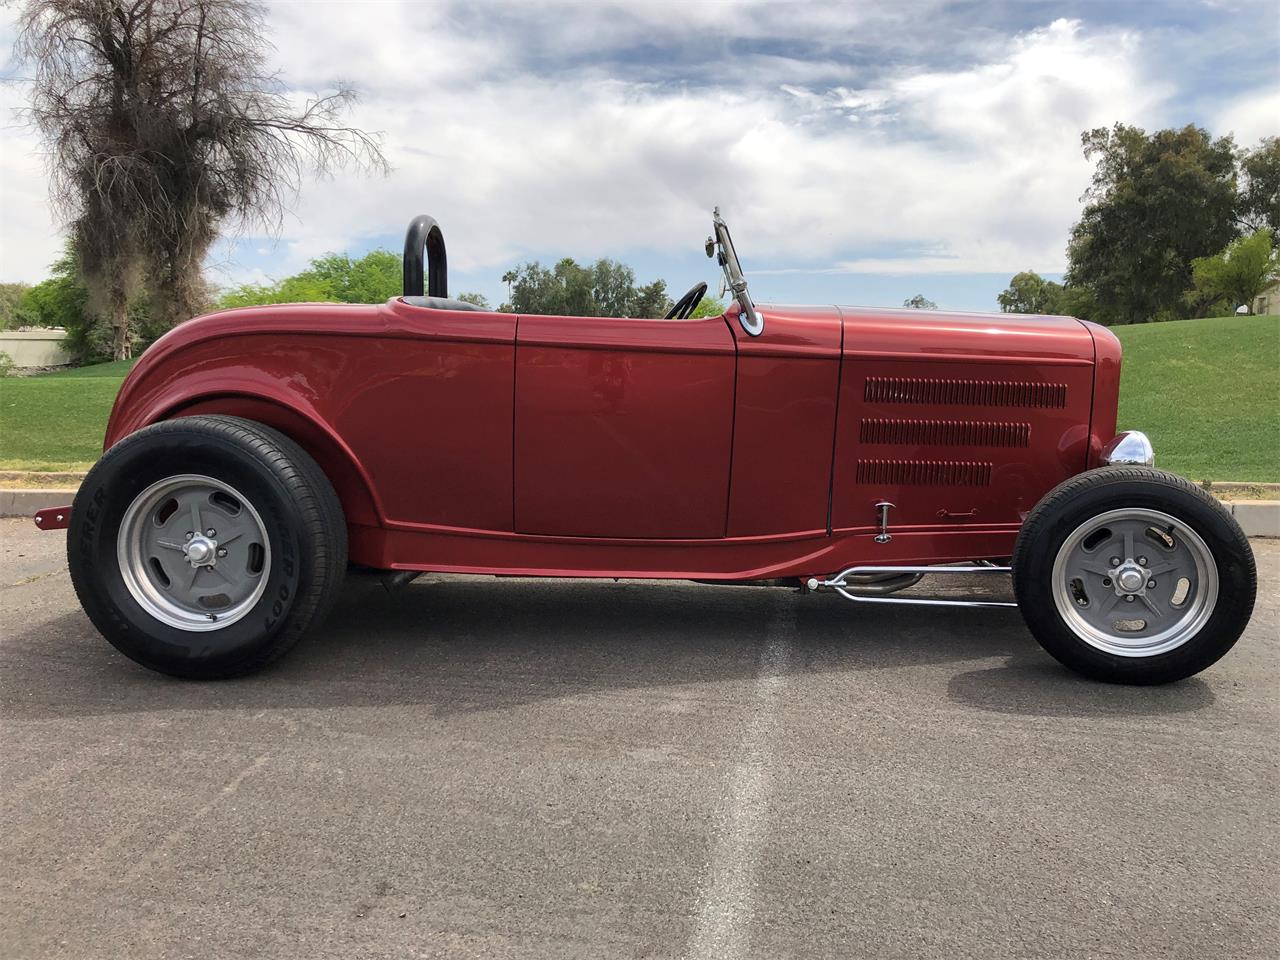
(977,169)
(1252,117)
(536,130)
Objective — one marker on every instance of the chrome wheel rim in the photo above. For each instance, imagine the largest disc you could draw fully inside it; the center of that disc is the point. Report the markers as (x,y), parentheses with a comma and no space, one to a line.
(1135,582)
(193,552)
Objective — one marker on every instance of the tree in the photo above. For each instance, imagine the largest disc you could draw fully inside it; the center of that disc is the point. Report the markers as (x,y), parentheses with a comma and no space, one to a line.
(1260,188)
(1238,274)
(12,313)
(163,121)
(708,306)
(374,278)
(61,301)
(475,299)
(333,278)
(1076,301)
(302,288)
(1155,204)
(604,289)
(920,302)
(1028,292)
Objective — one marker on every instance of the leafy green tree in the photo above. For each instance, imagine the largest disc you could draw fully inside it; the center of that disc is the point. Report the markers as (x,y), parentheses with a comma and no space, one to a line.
(1156,203)
(1237,274)
(1028,292)
(62,301)
(920,302)
(708,306)
(12,314)
(374,278)
(476,299)
(1260,187)
(1076,301)
(303,288)
(333,278)
(606,288)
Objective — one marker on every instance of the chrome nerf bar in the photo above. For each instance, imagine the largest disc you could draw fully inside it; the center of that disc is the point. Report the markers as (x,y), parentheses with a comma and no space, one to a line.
(840,584)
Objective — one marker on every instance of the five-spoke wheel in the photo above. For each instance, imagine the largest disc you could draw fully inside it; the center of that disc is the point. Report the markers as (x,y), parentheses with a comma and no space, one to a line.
(1135,582)
(1133,575)
(194,552)
(205,547)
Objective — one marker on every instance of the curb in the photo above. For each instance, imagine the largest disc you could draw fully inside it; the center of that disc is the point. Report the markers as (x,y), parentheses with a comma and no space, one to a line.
(42,479)
(1257,518)
(25,503)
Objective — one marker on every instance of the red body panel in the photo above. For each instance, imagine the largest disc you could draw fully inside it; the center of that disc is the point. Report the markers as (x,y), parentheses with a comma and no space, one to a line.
(784,430)
(483,442)
(386,382)
(623,427)
(1106,389)
(956,420)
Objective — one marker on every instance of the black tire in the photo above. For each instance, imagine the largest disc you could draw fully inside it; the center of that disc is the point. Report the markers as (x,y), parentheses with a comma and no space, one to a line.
(298,508)
(1073,503)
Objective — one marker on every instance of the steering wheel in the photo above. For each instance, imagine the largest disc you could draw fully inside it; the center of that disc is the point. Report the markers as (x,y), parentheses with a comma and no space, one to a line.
(684,306)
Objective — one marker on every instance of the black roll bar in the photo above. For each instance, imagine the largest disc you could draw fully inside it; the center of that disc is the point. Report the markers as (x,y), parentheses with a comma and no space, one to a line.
(425,237)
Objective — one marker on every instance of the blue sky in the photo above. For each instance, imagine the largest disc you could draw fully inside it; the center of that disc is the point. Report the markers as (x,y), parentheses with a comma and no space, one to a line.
(862,152)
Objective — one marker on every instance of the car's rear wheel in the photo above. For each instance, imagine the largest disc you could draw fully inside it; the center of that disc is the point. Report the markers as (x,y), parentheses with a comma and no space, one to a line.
(205,547)
(1133,575)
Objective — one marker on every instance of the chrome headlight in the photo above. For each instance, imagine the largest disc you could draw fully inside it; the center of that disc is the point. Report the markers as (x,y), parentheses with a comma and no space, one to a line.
(1131,447)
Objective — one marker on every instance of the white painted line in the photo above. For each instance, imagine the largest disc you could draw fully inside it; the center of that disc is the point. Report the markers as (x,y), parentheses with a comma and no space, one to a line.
(727,904)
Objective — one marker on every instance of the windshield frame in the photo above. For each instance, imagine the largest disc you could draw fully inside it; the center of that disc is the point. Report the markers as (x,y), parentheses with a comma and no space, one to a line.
(751,319)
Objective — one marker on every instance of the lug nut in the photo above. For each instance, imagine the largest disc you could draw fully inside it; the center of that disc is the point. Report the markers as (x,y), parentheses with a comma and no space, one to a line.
(222,552)
(1106,581)
(190,534)
(211,532)
(1142,561)
(1115,561)
(1129,599)
(1150,584)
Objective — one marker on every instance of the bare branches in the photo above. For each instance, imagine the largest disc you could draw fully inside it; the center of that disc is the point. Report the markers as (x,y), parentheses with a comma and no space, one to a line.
(164,124)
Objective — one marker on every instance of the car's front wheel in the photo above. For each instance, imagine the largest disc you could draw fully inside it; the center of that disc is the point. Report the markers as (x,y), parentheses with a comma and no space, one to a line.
(1133,575)
(205,547)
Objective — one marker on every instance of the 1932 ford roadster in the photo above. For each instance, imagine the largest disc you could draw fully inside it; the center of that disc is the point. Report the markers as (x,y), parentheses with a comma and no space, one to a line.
(253,454)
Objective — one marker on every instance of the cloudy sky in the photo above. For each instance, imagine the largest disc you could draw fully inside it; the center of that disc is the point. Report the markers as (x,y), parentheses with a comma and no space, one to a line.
(862,151)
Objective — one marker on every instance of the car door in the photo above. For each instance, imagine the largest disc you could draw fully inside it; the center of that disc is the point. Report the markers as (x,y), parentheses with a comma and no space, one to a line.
(623,427)
(784,427)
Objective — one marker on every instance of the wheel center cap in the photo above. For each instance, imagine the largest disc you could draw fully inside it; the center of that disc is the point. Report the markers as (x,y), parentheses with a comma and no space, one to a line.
(1129,578)
(201,550)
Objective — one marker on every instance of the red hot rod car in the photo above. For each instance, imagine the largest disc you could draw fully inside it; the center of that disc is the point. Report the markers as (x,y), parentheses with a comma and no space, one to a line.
(253,454)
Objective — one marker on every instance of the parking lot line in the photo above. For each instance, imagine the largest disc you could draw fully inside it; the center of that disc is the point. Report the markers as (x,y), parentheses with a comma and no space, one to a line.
(727,902)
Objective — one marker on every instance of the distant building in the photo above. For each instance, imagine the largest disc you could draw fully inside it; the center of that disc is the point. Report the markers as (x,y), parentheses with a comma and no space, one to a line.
(1268,301)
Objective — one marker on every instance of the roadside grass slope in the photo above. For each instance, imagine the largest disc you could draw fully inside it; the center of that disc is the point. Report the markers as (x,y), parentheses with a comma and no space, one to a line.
(1207,392)
(55,421)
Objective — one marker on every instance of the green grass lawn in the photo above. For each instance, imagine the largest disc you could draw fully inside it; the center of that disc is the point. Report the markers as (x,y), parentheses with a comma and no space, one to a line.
(56,421)
(1207,392)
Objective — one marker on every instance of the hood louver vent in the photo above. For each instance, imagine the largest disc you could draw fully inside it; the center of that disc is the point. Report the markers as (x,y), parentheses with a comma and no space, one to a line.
(930,473)
(974,393)
(953,433)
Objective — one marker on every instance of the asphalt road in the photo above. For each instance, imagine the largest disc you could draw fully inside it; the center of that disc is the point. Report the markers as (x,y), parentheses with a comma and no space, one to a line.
(489,768)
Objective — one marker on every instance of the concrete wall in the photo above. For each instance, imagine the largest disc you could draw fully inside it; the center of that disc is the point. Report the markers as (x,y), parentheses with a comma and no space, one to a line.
(35,348)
